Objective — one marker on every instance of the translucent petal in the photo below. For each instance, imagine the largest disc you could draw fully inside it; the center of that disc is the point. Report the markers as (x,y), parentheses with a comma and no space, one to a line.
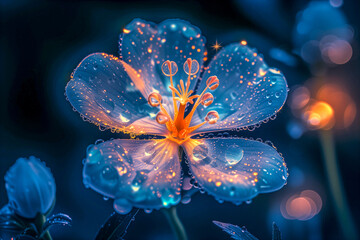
(146,46)
(30,187)
(235,169)
(104,90)
(139,173)
(249,91)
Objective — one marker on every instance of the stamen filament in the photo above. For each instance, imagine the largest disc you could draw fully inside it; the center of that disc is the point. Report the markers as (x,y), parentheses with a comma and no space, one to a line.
(178,126)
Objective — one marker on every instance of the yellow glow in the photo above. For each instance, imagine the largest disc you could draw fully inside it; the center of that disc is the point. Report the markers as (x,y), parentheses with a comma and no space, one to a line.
(341,102)
(126,30)
(319,115)
(243,42)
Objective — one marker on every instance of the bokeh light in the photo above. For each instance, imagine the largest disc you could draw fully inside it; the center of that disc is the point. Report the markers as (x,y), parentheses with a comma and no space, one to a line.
(318,115)
(299,98)
(303,206)
(322,33)
(341,102)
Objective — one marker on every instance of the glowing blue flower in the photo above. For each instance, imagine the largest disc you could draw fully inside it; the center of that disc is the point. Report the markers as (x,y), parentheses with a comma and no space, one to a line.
(30,187)
(238,90)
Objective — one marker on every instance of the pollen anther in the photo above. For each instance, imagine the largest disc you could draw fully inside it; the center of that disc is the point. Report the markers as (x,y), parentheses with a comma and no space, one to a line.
(212,117)
(212,82)
(154,99)
(162,118)
(207,99)
(179,125)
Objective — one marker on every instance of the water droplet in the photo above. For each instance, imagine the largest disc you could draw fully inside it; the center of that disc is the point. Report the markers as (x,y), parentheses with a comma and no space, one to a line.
(122,206)
(256,81)
(150,149)
(189,32)
(140,178)
(186,184)
(148,210)
(234,154)
(93,156)
(99,141)
(186,199)
(248,201)
(110,175)
(200,152)
(241,116)
(267,96)
(234,95)
(105,198)
(277,94)
(95,67)
(125,117)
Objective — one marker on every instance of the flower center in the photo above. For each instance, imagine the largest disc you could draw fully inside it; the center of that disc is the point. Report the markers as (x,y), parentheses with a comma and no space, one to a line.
(179,125)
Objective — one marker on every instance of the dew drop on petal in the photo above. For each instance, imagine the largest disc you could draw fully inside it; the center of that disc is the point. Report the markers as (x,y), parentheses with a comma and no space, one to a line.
(122,206)
(148,210)
(186,199)
(200,152)
(110,175)
(150,149)
(234,154)
(94,156)
(234,95)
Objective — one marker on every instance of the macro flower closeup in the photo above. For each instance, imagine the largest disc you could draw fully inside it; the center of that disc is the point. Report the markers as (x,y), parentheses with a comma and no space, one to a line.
(159,86)
(30,187)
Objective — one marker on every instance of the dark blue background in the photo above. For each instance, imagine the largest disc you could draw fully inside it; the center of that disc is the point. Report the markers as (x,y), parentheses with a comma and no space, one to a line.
(42,42)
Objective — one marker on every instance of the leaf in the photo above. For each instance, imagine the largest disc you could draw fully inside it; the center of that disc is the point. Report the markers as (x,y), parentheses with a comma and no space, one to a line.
(276,234)
(116,225)
(57,219)
(236,232)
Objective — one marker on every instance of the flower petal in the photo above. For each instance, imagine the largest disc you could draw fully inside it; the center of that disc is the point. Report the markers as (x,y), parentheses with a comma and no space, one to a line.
(140,173)
(30,187)
(103,89)
(146,46)
(249,91)
(235,169)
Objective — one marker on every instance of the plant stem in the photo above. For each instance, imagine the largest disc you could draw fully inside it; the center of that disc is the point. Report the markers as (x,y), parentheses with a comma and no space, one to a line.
(336,186)
(175,223)
(40,219)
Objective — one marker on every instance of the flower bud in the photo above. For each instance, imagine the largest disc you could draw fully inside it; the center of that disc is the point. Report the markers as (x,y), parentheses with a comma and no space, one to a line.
(30,187)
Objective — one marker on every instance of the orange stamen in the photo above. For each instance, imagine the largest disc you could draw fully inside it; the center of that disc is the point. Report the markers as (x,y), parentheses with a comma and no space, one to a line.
(179,126)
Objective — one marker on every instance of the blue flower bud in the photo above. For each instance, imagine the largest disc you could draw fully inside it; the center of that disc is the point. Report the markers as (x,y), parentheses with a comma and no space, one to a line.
(30,187)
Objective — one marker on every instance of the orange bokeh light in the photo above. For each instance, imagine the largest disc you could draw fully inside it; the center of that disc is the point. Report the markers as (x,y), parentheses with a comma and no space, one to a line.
(303,206)
(319,115)
(343,105)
